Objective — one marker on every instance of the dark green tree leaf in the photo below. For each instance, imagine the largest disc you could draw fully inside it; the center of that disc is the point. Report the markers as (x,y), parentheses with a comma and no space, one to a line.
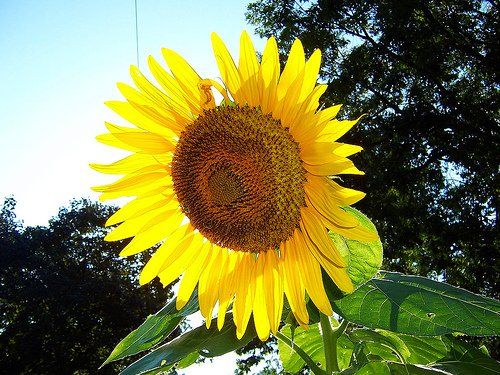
(154,330)
(419,306)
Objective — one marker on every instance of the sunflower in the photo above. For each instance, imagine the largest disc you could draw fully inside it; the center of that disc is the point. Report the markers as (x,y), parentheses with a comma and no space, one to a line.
(241,194)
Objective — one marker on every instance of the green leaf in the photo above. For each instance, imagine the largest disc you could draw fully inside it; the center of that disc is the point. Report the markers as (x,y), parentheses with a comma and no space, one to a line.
(363,258)
(418,306)
(423,350)
(406,369)
(385,346)
(391,368)
(422,355)
(154,330)
(379,368)
(345,348)
(462,358)
(188,360)
(310,341)
(206,342)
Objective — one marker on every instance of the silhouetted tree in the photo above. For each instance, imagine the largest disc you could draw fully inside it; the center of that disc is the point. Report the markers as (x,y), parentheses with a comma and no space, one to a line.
(66,297)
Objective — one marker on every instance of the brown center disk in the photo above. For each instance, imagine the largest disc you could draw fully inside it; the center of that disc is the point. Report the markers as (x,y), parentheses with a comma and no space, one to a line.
(238,177)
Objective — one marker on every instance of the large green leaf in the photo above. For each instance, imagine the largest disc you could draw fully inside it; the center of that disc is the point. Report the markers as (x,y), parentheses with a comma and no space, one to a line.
(461,359)
(206,342)
(379,368)
(391,368)
(422,355)
(422,350)
(363,259)
(418,306)
(407,369)
(154,330)
(311,342)
(376,344)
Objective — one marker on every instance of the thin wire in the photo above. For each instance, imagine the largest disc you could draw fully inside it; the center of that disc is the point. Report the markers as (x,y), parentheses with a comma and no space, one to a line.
(136,35)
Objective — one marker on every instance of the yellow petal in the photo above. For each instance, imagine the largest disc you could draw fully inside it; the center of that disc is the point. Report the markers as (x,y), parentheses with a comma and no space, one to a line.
(260,315)
(132,163)
(292,283)
(314,229)
(138,207)
(268,76)
(167,253)
(134,225)
(329,209)
(358,233)
(289,105)
(144,142)
(273,289)
(337,274)
(245,293)
(135,182)
(160,188)
(302,125)
(318,153)
(185,75)
(294,65)
(248,67)
(147,107)
(208,289)
(182,257)
(227,67)
(227,286)
(311,71)
(157,98)
(345,149)
(154,234)
(179,101)
(130,113)
(310,273)
(327,114)
(346,195)
(343,166)
(192,275)
(336,129)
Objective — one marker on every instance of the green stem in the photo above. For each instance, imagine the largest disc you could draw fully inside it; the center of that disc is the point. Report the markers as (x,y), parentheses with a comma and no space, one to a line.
(329,344)
(330,337)
(312,365)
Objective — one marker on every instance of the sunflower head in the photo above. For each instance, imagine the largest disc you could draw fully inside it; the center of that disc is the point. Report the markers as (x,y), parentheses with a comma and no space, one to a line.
(241,194)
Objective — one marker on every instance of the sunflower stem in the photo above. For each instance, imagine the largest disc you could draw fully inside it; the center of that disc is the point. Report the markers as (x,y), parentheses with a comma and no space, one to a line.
(308,360)
(330,337)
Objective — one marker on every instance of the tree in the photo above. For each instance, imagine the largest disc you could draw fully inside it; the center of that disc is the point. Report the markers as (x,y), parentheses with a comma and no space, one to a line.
(426,75)
(67,298)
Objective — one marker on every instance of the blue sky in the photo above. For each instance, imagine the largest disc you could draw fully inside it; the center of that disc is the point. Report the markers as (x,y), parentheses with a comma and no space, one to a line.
(60,60)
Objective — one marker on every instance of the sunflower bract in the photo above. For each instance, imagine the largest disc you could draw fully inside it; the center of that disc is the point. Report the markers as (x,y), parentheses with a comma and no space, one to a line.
(239,194)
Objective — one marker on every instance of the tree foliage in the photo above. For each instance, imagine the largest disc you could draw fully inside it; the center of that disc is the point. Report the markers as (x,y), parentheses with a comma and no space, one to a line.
(66,297)
(426,74)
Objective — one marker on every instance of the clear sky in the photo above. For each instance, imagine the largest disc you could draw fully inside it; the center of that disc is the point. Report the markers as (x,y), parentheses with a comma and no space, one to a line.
(60,61)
